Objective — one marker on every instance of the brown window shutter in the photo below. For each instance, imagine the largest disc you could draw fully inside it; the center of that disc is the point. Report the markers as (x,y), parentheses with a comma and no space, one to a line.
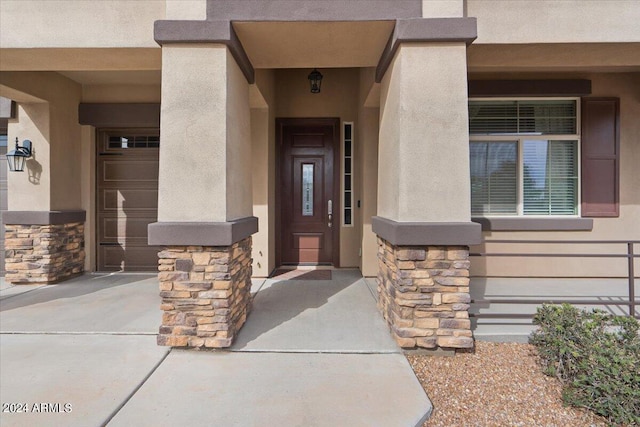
(600,157)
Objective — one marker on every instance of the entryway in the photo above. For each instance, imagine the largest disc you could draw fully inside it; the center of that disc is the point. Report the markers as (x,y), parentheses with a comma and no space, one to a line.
(307,196)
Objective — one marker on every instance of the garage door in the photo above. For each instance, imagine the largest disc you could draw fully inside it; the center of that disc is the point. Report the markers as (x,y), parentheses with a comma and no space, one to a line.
(127,202)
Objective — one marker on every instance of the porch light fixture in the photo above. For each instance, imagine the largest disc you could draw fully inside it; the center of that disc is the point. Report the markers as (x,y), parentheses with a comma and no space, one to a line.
(17,157)
(315,81)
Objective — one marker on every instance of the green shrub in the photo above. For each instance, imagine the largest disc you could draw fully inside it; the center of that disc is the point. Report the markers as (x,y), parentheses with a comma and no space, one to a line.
(596,356)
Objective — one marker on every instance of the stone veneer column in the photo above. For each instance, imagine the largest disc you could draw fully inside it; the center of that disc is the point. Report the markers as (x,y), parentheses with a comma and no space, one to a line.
(43,253)
(423,293)
(43,246)
(205,217)
(206,294)
(424,204)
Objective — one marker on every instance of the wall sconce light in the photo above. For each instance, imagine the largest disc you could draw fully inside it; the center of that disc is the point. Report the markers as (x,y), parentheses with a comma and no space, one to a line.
(17,157)
(315,81)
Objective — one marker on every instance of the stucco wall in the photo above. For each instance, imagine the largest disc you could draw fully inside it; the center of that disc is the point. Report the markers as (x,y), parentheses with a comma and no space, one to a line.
(442,8)
(567,21)
(186,9)
(88,190)
(339,98)
(192,179)
(626,86)
(31,122)
(238,143)
(205,166)
(70,23)
(263,174)
(367,130)
(114,93)
(48,116)
(424,142)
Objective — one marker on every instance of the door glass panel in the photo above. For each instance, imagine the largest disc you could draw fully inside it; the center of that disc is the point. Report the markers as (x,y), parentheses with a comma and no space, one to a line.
(307,190)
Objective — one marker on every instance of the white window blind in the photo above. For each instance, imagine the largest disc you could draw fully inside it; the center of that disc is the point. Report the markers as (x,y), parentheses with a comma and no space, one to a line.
(550,177)
(494,178)
(548,117)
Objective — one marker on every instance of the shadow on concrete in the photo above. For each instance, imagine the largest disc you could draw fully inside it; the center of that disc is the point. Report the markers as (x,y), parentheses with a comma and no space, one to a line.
(339,315)
(283,301)
(73,288)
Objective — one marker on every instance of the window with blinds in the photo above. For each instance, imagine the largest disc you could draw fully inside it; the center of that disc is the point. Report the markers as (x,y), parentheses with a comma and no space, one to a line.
(524,157)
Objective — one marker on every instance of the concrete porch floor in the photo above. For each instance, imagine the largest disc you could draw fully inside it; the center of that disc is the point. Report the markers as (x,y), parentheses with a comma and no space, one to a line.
(312,353)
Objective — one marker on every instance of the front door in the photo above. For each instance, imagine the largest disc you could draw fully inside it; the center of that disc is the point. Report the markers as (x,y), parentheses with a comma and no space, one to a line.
(308,191)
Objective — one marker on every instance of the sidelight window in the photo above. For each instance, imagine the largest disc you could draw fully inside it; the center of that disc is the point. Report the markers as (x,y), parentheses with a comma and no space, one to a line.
(347,211)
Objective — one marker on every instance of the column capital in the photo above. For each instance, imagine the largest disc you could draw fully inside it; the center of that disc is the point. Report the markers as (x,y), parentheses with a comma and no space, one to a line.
(435,30)
(169,32)
(427,233)
(202,233)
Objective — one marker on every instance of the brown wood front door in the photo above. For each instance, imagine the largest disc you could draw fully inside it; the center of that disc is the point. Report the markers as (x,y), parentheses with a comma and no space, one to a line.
(308,191)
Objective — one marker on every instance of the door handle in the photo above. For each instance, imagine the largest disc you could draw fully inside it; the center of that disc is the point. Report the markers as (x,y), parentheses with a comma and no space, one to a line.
(330,211)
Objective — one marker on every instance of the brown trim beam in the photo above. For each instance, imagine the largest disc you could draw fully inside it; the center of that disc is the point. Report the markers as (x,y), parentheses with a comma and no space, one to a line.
(171,32)
(201,233)
(313,10)
(119,115)
(427,233)
(535,224)
(555,87)
(438,30)
(43,217)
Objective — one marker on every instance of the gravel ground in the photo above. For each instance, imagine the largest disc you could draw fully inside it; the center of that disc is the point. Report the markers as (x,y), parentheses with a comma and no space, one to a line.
(498,385)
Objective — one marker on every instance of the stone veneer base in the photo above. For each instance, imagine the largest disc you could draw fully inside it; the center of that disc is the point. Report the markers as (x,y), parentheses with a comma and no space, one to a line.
(36,254)
(423,293)
(206,294)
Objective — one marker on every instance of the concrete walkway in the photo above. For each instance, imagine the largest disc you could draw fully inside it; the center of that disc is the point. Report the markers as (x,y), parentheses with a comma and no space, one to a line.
(312,353)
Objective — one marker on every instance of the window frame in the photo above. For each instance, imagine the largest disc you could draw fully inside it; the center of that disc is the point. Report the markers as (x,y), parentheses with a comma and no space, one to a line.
(519,138)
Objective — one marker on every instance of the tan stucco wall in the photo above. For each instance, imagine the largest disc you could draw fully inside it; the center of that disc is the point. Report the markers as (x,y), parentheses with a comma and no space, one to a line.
(338,98)
(367,132)
(548,57)
(626,86)
(424,140)
(32,122)
(238,151)
(70,23)
(192,177)
(48,116)
(186,9)
(263,173)
(88,191)
(113,93)
(567,21)
(442,8)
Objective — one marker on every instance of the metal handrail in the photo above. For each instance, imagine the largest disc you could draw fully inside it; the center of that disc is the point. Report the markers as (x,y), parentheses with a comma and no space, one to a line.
(631,302)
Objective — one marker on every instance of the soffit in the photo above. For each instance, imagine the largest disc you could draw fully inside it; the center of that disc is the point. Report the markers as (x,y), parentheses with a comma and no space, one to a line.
(314,44)
(153,77)
(81,59)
